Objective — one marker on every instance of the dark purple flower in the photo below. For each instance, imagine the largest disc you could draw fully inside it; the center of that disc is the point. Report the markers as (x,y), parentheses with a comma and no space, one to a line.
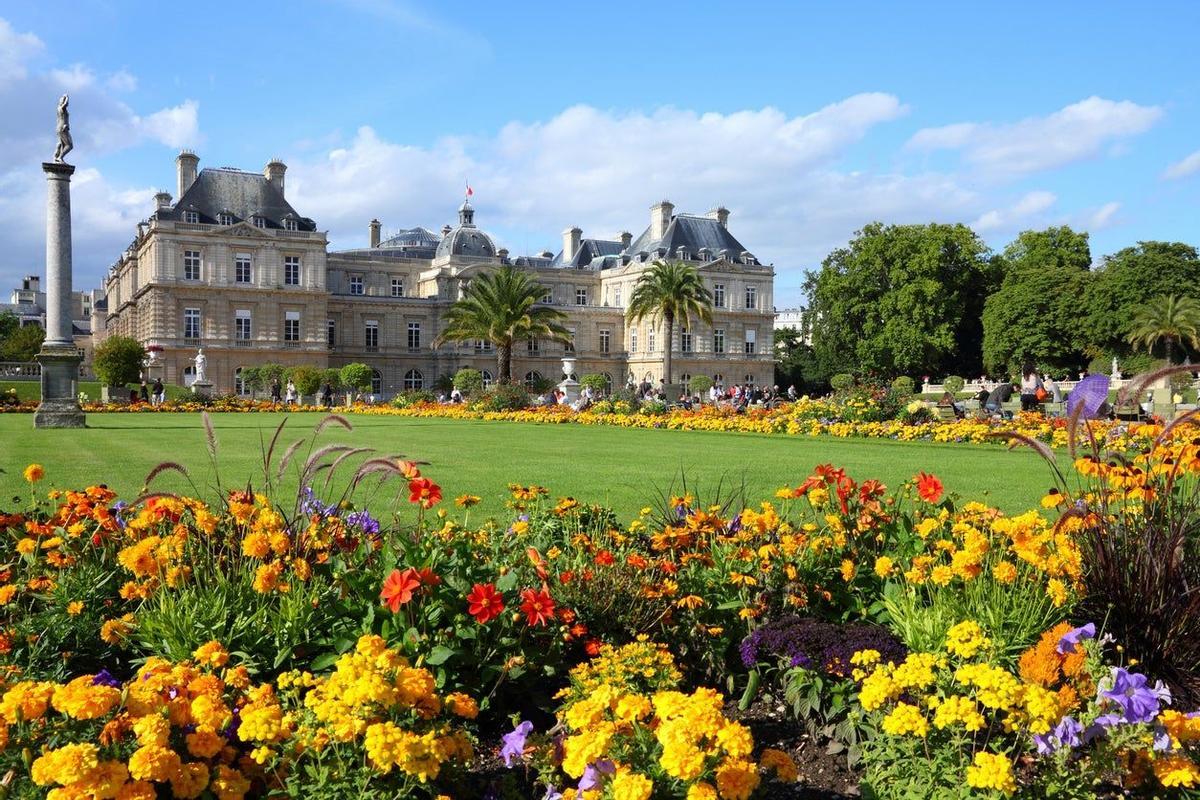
(105,678)
(1067,732)
(552,794)
(514,743)
(593,772)
(1101,725)
(363,521)
(1129,692)
(735,524)
(1072,638)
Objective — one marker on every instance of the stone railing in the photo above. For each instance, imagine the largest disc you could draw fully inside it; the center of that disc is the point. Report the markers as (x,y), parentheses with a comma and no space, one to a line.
(32,371)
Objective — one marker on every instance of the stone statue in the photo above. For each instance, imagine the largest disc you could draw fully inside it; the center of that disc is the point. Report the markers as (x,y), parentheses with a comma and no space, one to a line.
(65,145)
(201,365)
(1116,372)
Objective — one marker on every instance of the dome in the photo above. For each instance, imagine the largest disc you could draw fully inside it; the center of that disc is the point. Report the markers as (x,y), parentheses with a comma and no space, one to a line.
(412,237)
(466,239)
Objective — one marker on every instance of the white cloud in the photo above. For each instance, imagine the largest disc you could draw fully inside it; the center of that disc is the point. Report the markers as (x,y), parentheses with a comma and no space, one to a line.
(175,127)
(1103,217)
(75,78)
(16,49)
(121,81)
(1020,214)
(1078,131)
(1189,165)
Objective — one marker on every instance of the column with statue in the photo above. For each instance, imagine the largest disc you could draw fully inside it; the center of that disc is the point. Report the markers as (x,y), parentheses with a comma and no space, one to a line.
(59,357)
(202,386)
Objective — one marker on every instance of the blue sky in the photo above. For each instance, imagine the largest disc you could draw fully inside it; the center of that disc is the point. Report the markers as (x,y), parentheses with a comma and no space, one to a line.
(807,120)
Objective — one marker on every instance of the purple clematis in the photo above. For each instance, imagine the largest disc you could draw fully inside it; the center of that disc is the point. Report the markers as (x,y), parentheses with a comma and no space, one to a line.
(514,743)
(1137,702)
(593,772)
(105,678)
(1072,638)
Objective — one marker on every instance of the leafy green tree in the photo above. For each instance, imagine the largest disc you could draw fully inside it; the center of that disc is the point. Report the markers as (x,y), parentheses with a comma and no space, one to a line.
(23,343)
(596,381)
(1169,319)
(902,300)
(670,291)
(253,378)
(469,381)
(118,360)
(1034,315)
(700,384)
(356,376)
(502,307)
(307,379)
(1126,281)
(795,362)
(9,322)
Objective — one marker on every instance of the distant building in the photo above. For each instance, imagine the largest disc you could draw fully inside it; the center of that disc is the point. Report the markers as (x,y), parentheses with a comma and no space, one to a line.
(233,267)
(28,303)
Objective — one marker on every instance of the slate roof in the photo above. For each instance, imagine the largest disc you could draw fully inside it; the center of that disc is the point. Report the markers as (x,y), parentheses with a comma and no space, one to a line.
(691,232)
(590,250)
(466,239)
(242,194)
(412,243)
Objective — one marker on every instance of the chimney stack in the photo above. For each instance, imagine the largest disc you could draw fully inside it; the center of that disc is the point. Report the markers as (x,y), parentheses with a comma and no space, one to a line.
(185,169)
(273,172)
(374,228)
(626,239)
(721,215)
(571,238)
(660,218)
(162,200)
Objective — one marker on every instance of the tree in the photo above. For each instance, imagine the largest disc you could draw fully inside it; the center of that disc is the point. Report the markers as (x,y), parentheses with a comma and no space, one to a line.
(902,300)
(1034,315)
(23,343)
(597,382)
(469,381)
(118,360)
(794,361)
(670,291)
(1126,281)
(1169,319)
(9,322)
(700,384)
(356,376)
(307,379)
(253,378)
(502,307)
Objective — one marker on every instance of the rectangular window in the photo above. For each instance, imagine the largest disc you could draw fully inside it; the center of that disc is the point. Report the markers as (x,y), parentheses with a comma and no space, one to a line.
(356,284)
(260,222)
(191,323)
(685,340)
(397,287)
(718,340)
(581,297)
(330,333)
(605,338)
(751,344)
(290,225)
(191,217)
(414,336)
(291,270)
(372,335)
(241,268)
(291,326)
(719,295)
(483,346)
(751,297)
(569,347)
(241,325)
(650,340)
(617,296)
(633,340)
(548,297)
(533,347)
(191,265)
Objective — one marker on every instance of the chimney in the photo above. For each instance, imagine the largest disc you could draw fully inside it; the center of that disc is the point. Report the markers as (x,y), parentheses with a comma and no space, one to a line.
(274,173)
(185,169)
(162,200)
(570,243)
(374,227)
(446,231)
(660,218)
(721,215)
(626,239)
(502,254)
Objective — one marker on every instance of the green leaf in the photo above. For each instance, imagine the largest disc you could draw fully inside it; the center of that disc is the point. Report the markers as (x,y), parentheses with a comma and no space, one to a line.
(440,655)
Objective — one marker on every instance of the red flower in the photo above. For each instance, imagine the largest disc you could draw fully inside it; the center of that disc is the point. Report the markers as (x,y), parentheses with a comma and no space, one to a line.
(566,577)
(929,487)
(398,588)
(427,577)
(871,490)
(592,648)
(485,603)
(424,492)
(538,606)
(604,558)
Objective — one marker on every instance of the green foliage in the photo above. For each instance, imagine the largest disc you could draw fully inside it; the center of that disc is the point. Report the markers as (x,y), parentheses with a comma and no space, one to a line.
(356,376)
(1170,319)
(1129,363)
(953,384)
(504,397)
(333,377)
(1034,315)
(307,379)
(502,307)
(22,344)
(902,299)
(670,291)
(412,397)
(9,322)
(118,360)
(253,378)
(469,381)
(597,382)
(842,381)
(903,386)
(700,384)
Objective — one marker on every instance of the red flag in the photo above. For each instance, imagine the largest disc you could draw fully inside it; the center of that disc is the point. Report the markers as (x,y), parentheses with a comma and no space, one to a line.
(470,191)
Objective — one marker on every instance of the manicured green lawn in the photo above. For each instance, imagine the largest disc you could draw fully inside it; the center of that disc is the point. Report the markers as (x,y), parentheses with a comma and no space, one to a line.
(624,468)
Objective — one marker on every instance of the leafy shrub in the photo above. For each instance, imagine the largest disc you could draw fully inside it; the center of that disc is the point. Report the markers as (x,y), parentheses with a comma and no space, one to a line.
(903,386)
(443,383)
(504,397)
(916,413)
(412,397)
(700,384)
(118,360)
(598,383)
(841,381)
(332,376)
(356,376)
(653,408)
(469,381)
(307,379)
(953,384)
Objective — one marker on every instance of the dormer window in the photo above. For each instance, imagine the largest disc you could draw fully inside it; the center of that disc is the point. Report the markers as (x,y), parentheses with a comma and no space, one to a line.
(705,254)
(224,218)
(259,222)
(290,224)
(191,217)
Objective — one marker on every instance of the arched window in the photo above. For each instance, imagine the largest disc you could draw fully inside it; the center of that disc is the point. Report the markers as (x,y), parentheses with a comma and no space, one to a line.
(749,378)
(376,382)
(685,379)
(189,375)
(487,379)
(719,379)
(532,378)
(414,380)
(239,386)
(608,383)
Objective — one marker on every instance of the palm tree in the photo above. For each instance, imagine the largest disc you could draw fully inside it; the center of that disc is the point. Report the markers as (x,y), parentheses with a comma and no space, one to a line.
(1169,319)
(670,291)
(501,307)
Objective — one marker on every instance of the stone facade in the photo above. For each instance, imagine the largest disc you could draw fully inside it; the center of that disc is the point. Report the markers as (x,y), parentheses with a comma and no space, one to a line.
(258,285)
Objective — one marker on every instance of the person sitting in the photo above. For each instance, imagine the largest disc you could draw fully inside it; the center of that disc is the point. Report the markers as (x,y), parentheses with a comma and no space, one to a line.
(997,398)
(1030,384)
(948,401)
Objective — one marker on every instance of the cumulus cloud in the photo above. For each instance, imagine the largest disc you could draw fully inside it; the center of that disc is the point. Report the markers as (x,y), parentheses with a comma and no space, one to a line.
(16,50)
(1189,165)
(1078,131)
(1021,213)
(1102,217)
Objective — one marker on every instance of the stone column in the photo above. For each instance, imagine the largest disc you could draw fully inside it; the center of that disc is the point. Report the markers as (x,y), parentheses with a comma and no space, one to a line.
(59,358)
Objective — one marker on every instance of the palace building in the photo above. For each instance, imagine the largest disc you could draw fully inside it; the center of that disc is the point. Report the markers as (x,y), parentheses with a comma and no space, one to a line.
(231,266)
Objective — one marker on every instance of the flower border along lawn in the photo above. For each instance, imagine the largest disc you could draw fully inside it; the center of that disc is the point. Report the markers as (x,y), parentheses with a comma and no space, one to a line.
(620,467)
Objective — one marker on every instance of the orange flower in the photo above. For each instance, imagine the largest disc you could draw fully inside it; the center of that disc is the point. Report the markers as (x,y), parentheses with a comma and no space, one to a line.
(538,606)
(398,588)
(484,603)
(929,487)
(34,473)
(424,492)
(408,469)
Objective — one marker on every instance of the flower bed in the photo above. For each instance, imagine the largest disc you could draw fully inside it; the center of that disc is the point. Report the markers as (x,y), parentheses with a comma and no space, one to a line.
(270,644)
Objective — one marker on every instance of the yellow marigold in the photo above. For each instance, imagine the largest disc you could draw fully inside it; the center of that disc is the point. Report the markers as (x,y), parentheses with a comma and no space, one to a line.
(966,639)
(204,743)
(75,608)
(462,705)
(137,790)
(1005,572)
(229,784)
(780,763)
(737,779)
(34,473)
(631,786)
(680,758)
(991,771)
(256,545)
(81,699)
(884,566)
(211,654)
(701,791)
(735,739)
(26,700)
(72,763)
(153,763)
(190,780)
(27,546)
(905,719)
(1056,590)
(266,578)
(848,570)
(152,730)
(1176,770)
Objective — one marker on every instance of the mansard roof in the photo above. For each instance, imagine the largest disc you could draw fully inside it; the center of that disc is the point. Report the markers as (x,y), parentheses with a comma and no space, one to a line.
(590,250)
(692,233)
(232,191)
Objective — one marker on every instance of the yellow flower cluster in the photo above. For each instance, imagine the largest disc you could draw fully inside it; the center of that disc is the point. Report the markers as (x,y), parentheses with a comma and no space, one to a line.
(991,771)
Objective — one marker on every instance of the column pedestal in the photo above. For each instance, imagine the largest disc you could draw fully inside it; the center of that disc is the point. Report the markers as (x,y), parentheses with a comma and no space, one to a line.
(202,388)
(60,403)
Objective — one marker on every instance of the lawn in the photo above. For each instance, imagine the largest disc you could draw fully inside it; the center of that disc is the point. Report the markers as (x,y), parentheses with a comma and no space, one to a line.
(623,468)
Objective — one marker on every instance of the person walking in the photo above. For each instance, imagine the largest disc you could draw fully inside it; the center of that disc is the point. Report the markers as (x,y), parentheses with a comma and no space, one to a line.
(158,392)
(290,393)
(327,395)
(145,392)
(275,391)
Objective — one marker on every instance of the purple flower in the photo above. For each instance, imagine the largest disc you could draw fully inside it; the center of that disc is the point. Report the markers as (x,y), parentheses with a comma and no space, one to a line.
(1045,744)
(1129,692)
(593,772)
(1162,740)
(1072,638)
(311,504)
(363,521)
(105,678)
(552,794)
(1101,725)
(735,524)
(1067,732)
(514,743)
